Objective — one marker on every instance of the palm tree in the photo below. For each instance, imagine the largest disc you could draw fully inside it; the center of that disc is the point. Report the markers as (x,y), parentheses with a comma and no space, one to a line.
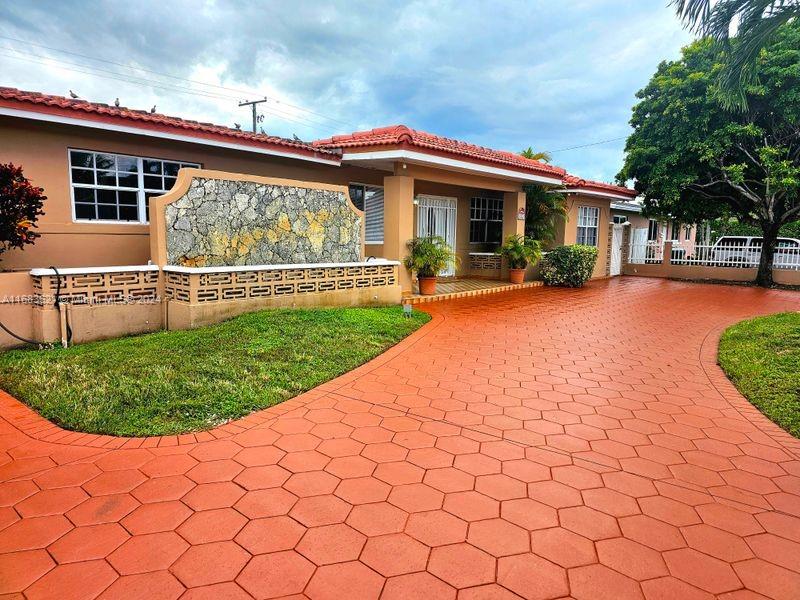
(754,21)
(543,206)
(540,156)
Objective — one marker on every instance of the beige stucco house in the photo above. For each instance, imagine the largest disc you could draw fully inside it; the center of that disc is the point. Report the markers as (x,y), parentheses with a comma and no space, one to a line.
(100,166)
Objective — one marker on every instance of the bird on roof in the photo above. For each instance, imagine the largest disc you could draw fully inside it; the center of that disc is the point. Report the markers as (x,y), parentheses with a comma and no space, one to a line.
(237,126)
(153,110)
(116,102)
(73,95)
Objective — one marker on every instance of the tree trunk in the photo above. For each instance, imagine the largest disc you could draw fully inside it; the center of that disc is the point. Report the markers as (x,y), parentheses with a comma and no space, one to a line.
(764,276)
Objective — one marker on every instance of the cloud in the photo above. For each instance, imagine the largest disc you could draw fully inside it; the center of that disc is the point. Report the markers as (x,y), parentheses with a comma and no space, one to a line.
(503,74)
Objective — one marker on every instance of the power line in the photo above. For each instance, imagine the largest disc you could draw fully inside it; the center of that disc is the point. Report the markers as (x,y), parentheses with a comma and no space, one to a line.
(87,70)
(587,145)
(192,81)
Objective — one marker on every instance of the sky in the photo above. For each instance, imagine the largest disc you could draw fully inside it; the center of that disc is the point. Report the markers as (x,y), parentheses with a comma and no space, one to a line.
(549,74)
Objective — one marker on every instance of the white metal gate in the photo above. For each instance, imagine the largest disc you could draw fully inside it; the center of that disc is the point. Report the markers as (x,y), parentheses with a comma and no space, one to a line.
(616,250)
(638,250)
(436,215)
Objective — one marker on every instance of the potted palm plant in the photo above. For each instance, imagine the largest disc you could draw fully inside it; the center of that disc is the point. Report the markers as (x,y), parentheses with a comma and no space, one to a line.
(427,257)
(519,251)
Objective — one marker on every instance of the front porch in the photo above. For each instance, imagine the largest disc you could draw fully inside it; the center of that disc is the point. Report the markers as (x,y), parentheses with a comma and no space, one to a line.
(472,214)
(449,289)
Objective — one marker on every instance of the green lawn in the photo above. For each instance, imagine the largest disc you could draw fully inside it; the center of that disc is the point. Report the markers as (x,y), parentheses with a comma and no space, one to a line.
(762,358)
(178,381)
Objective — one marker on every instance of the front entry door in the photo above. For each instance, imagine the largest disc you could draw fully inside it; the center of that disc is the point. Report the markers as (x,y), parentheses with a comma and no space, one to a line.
(436,215)
(616,250)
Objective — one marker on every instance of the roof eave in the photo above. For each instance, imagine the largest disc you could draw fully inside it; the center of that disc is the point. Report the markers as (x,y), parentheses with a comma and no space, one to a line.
(69,116)
(417,155)
(588,191)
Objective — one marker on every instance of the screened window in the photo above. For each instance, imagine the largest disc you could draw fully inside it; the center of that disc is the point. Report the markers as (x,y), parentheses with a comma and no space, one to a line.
(588,220)
(485,220)
(369,198)
(116,187)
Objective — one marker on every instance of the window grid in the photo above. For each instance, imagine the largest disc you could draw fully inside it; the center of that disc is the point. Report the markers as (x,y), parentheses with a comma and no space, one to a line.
(588,221)
(486,220)
(118,187)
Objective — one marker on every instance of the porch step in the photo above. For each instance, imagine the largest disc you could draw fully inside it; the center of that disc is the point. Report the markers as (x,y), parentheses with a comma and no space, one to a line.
(479,291)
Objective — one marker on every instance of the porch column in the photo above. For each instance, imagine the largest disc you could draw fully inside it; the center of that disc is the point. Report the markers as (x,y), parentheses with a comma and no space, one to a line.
(512,202)
(398,222)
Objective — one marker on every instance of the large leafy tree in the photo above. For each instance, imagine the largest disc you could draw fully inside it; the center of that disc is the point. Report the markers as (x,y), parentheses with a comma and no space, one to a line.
(755,23)
(694,160)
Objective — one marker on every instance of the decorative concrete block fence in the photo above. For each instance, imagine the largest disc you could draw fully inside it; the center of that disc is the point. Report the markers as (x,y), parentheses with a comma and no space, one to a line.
(95,303)
(230,243)
(199,296)
(221,244)
(485,264)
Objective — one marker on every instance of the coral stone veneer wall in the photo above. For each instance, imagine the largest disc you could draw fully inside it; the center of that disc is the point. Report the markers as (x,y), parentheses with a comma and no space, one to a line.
(237,221)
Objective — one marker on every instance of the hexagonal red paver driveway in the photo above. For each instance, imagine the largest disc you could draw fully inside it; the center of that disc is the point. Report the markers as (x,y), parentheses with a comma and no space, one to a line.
(536,444)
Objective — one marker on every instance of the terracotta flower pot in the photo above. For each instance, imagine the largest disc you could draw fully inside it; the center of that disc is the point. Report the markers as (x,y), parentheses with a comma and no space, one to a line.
(427,285)
(516,275)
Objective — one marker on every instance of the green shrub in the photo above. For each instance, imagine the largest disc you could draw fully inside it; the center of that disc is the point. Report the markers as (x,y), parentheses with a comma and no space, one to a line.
(569,266)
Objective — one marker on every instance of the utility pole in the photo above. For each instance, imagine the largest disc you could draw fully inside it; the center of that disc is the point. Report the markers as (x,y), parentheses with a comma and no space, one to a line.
(252,104)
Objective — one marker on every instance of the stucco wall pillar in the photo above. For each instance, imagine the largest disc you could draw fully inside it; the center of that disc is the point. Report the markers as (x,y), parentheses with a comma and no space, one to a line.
(398,222)
(512,203)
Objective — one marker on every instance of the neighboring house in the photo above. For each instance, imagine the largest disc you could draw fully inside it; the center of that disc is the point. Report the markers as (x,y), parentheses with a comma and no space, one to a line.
(588,218)
(100,165)
(644,230)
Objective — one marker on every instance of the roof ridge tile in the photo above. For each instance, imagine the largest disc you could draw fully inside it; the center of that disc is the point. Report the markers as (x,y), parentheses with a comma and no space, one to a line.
(396,134)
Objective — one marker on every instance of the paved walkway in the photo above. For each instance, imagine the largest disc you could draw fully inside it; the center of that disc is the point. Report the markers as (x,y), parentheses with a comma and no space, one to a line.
(541,444)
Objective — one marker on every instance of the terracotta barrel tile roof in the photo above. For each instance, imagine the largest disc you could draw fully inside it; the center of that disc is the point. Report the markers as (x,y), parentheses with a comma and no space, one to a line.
(572,181)
(400,135)
(94,111)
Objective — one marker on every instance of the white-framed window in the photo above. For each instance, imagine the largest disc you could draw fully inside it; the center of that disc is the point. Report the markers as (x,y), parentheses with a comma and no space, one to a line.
(485,220)
(118,187)
(619,219)
(369,198)
(588,220)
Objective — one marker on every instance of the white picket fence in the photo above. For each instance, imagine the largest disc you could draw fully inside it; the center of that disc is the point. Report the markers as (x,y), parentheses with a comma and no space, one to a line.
(732,254)
(648,253)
